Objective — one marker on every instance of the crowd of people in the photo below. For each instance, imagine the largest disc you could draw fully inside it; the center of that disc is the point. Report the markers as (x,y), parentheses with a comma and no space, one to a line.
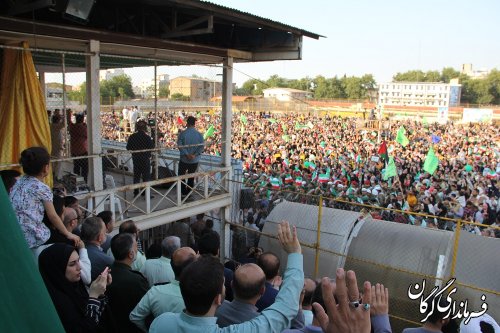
(299,157)
(185,287)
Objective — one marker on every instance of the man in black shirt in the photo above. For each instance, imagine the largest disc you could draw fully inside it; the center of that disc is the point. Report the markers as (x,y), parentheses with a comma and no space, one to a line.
(140,140)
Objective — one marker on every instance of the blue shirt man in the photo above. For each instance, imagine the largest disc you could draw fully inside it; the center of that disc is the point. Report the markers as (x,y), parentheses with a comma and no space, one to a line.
(191,145)
(202,287)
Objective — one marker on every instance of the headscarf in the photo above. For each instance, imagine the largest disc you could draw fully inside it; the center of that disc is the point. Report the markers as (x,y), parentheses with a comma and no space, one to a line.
(52,264)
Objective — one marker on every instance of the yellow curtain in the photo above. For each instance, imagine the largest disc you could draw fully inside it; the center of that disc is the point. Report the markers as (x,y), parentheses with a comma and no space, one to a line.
(23,116)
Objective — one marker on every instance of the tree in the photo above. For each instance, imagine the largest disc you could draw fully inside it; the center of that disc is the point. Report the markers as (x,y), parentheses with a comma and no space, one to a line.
(353,87)
(449,73)
(179,97)
(79,95)
(111,87)
(163,91)
(493,80)
(321,89)
(432,76)
(410,76)
(276,81)
(254,87)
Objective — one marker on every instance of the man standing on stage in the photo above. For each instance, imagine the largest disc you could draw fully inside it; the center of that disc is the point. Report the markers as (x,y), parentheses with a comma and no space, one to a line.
(191,145)
(140,140)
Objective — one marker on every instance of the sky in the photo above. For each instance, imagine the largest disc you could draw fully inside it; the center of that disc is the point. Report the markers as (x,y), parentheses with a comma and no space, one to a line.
(367,37)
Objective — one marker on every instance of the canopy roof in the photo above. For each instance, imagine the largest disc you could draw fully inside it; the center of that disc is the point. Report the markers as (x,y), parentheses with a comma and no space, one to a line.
(167,31)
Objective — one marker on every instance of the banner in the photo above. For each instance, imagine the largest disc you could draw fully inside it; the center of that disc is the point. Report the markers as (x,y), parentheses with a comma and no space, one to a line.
(442,117)
(477,115)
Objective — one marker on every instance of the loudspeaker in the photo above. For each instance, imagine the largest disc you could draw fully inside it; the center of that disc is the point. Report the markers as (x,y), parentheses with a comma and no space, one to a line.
(164,172)
(247,198)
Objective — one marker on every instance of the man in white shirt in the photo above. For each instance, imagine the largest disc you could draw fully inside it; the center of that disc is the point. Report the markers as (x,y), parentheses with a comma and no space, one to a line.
(164,297)
(159,270)
(133,115)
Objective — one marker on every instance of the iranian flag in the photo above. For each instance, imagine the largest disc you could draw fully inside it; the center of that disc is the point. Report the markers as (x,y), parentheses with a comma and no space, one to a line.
(323,178)
(382,151)
(275,183)
(312,166)
(298,181)
(288,179)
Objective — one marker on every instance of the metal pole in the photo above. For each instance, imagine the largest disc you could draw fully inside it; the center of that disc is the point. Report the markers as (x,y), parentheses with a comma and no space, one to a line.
(318,236)
(455,248)
(95,178)
(64,112)
(156,121)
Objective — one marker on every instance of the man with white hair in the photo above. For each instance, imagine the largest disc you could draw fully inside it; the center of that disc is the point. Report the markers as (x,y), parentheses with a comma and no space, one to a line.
(159,270)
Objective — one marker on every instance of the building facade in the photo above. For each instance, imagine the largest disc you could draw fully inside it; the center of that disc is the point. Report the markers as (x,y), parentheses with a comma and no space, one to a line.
(420,93)
(286,94)
(197,89)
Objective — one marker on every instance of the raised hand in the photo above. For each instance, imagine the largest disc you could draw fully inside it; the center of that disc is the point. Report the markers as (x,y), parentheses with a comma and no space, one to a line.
(288,238)
(349,315)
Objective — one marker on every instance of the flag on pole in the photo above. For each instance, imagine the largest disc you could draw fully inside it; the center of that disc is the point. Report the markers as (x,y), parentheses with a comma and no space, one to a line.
(312,166)
(298,181)
(382,151)
(323,178)
(21,280)
(288,179)
(391,170)
(401,137)
(243,119)
(275,183)
(272,120)
(210,132)
(431,161)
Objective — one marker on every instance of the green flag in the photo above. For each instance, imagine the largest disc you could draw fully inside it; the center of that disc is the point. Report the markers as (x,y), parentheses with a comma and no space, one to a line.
(210,131)
(243,119)
(425,122)
(286,138)
(242,129)
(26,305)
(285,127)
(391,170)
(272,120)
(431,162)
(401,137)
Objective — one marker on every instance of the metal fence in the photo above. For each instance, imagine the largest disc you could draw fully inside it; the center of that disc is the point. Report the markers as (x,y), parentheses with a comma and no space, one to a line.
(338,233)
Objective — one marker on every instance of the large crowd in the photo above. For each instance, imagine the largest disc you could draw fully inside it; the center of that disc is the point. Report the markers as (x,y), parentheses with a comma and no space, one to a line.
(299,156)
(100,283)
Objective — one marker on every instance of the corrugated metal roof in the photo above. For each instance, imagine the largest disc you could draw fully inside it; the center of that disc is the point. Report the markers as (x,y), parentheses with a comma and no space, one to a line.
(207,5)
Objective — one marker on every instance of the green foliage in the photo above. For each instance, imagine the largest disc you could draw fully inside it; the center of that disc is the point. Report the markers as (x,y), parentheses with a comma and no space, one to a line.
(474,91)
(179,97)
(163,92)
(449,73)
(79,95)
(118,86)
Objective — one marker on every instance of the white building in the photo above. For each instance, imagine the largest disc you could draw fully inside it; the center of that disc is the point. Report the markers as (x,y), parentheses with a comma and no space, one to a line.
(145,89)
(286,94)
(110,73)
(420,93)
(475,74)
